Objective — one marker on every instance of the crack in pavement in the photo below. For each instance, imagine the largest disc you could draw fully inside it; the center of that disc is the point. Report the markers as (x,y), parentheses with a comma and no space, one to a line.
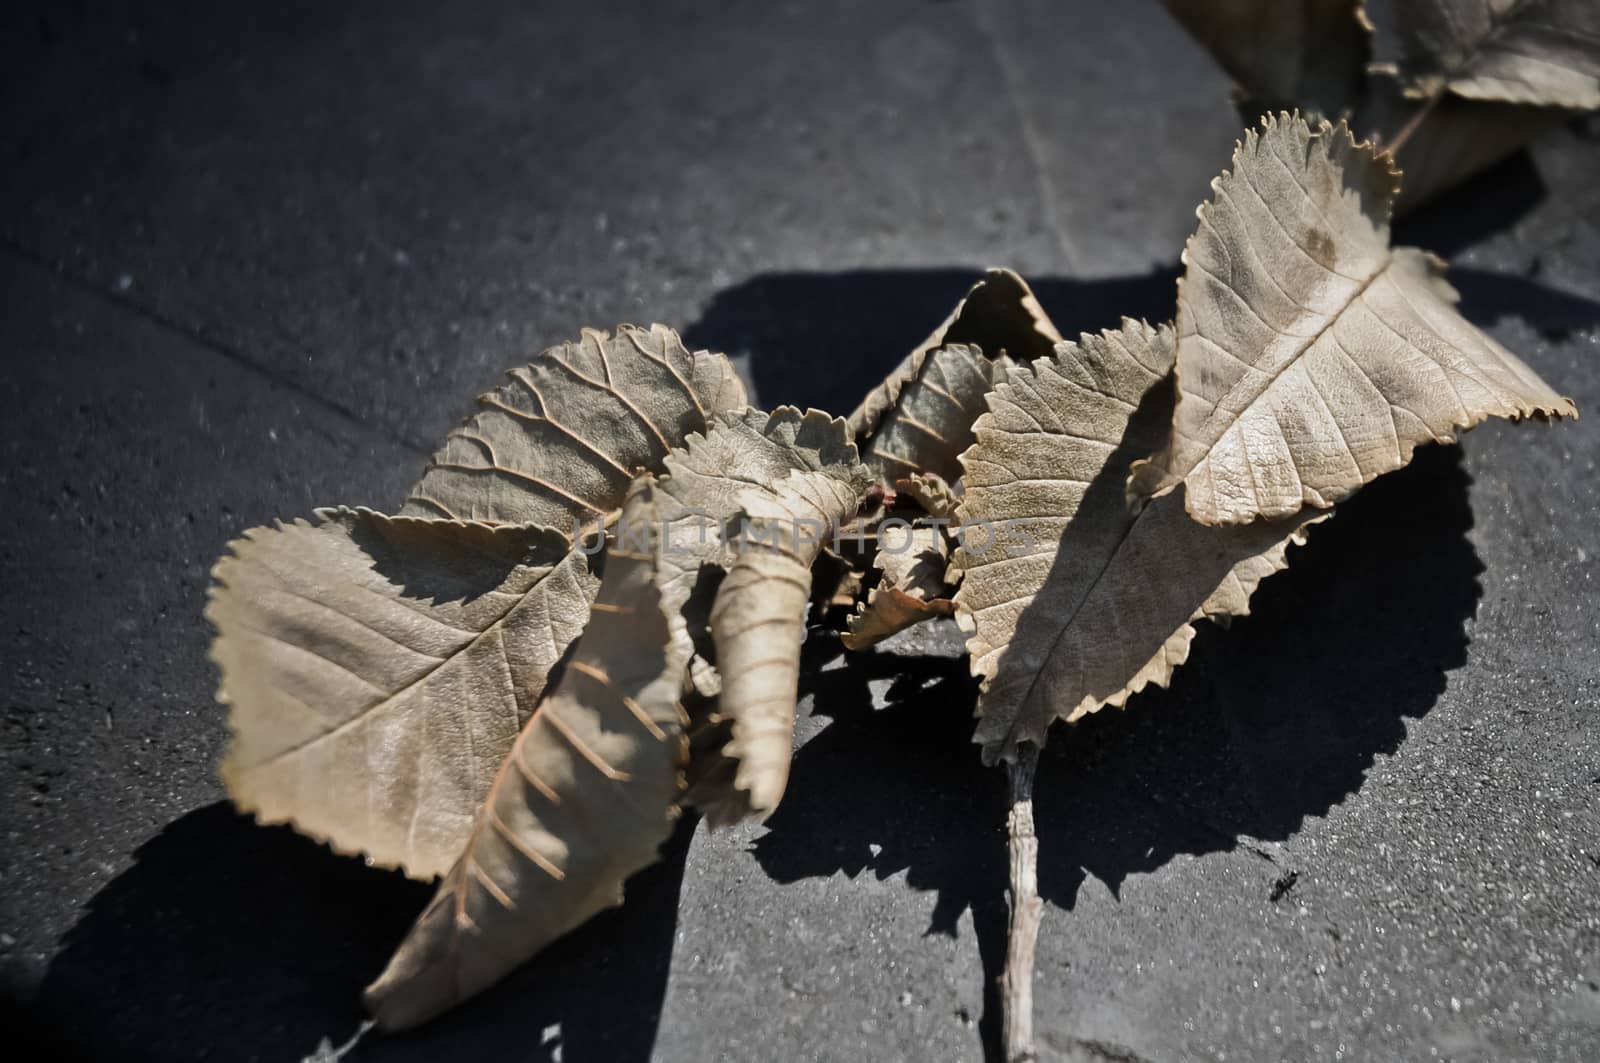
(209,344)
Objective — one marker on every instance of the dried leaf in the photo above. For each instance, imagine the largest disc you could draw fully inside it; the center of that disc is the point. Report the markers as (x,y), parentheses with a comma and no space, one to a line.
(1312,357)
(931,421)
(1072,600)
(889,610)
(757,624)
(912,561)
(1001,318)
(834,580)
(932,493)
(1516,51)
(797,468)
(584,799)
(378,668)
(703,678)
(560,443)
(711,771)
(912,556)
(794,471)
(1309,53)
(1457,139)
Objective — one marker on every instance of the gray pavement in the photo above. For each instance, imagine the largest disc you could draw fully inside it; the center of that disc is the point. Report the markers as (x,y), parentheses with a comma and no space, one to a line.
(256,259)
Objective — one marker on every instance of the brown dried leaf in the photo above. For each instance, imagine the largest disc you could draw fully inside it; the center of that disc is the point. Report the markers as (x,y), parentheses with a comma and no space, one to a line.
(912,556)
(560,443)
(1309,53)
(584,799)
(1001,318)
(711,771)
(930,491)
(1072,600)
(1516,51)
(378,668)
(789,470)
(889,610)
(931,421)
(757,624)
(1312,357)
(913,561)
(703,679)
(796,468)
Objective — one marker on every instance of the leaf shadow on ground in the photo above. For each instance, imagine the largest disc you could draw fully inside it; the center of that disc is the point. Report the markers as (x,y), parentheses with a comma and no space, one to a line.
(1272,722)
(1480,207)
(1488,204)
(230,940)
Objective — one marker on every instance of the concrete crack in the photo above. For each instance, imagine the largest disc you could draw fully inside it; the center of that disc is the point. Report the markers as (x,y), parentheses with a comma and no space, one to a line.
(207,343)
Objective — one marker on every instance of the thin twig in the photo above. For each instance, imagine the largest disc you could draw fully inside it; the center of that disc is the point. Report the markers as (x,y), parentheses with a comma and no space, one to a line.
(1026,908)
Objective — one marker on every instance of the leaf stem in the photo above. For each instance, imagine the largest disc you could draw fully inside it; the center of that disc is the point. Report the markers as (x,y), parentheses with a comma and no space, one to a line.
(1026,908)
(1413,123)
(326,1053)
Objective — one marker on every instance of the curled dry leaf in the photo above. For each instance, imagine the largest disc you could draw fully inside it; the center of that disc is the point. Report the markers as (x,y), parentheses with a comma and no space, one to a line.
(912,561)
(913,556)
(1309,53)
(584,799)
(931,421)
(1072,600)
(889,610)
(703,680)
(798,469)
(1515,51)
(920,417)
(560,443)
(788,470)
(757,625)
(711,772)
(1313,357)
(932,492)
(378,668)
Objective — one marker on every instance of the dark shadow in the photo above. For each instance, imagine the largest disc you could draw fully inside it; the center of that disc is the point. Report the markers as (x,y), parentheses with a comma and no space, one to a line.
(227,940)
(1279,718)
(1274,721)
(893,784)
(1488,297)
(35,1038)
(1480,207)
(429,563)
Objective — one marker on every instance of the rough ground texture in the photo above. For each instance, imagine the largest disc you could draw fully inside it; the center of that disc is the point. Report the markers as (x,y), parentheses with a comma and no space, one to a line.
(259,258)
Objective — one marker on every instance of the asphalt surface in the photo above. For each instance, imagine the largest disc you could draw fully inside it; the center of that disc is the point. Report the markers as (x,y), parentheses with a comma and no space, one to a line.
(259,258)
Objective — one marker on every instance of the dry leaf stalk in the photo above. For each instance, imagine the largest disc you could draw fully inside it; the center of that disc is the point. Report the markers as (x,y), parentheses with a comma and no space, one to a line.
(1027,908)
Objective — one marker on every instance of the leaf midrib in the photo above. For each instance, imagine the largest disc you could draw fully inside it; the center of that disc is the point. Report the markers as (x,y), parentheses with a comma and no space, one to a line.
(1210,445)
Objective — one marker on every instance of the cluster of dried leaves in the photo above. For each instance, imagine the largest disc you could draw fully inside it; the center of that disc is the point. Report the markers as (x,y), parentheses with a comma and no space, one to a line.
(587,617)
(1449,86)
